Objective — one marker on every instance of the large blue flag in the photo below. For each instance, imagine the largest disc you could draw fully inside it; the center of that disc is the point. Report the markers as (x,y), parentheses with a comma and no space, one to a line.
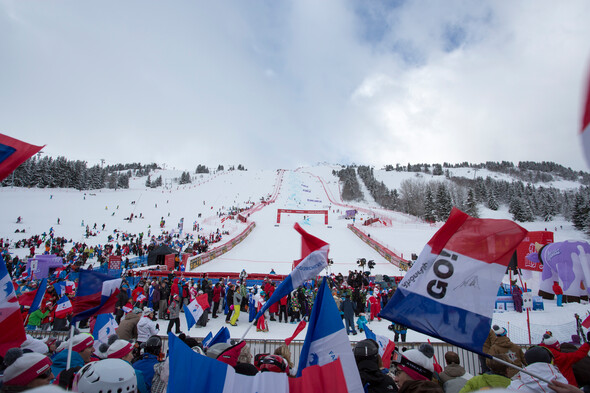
(326,340)
(38,296)
(222,336)
(310,266)
(450,291)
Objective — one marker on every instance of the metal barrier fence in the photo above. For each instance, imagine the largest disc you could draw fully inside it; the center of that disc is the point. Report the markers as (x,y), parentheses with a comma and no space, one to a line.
(469,360)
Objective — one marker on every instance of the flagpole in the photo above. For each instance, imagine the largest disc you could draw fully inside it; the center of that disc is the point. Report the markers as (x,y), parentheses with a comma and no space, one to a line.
(247,330)
(520,369)
(70,341)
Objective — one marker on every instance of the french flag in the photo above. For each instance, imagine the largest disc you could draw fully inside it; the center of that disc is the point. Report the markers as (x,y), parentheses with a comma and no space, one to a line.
(97,294)
(386,346)
(450,291)
(140,298)
(196,373)
(70,287)
(64,307)
(11,322)
(315,259)
(326,341)
(39,294)
(128,307)
(13,153)
(195,309)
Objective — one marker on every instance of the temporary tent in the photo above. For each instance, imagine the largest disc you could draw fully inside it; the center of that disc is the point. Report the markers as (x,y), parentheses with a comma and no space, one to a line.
(157,255)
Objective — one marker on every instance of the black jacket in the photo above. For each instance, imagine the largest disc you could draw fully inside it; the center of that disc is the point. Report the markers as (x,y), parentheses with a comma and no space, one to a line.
(373,379)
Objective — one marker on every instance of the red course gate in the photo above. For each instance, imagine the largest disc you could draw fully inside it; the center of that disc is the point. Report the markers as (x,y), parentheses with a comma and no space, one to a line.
(324,212)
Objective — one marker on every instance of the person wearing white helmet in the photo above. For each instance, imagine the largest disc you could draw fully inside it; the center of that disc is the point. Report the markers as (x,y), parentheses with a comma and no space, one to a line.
(106,375)
(146,327)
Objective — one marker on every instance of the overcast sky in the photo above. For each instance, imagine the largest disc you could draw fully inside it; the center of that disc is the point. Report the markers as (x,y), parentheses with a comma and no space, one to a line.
(271,84)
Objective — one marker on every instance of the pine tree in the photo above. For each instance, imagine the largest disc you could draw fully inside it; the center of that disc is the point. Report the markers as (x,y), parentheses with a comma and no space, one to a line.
(148,182)
(580,211)
(444,204)
(471,204)
(429,207)
(493,202)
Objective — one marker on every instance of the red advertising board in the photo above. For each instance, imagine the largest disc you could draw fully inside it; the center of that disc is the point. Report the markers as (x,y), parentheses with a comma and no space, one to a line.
(115,261)
(527,246)
(169,261)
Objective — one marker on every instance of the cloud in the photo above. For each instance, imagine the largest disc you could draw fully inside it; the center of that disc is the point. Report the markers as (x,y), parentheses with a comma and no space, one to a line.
(270,84)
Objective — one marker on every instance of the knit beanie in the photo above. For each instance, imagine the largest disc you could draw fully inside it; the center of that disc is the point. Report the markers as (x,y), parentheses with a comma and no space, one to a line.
(538,354)
(550,341)
(147,311)
(81,341)
(34,345)
(24,369)
(230,355)
(421,357)
(500,331)
(119,349)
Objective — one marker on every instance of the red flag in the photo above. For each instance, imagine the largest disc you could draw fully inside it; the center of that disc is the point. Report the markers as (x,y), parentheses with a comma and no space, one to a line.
(298,330)
(26,298)
(309,243)
(586,322)
(326,378)
(13,153)
(11,322)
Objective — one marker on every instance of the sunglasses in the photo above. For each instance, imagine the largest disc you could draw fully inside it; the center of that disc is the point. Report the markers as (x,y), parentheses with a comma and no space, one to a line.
(46,375)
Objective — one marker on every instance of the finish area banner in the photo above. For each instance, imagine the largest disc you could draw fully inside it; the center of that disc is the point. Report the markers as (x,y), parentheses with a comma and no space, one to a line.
(527,246)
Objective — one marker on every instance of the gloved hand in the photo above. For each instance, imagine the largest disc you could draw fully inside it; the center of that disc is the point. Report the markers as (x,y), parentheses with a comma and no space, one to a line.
(157,326)
(588,336)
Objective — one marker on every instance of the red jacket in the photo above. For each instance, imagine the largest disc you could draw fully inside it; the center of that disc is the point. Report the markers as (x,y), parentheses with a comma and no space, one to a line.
(557,289)
(564,361)
(217,293)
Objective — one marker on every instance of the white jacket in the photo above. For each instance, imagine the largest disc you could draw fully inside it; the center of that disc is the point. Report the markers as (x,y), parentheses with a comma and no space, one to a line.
(145,329)
(526,383)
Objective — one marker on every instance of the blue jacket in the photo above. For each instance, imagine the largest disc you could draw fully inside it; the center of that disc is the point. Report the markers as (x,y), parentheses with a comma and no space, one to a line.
(145,365)
(60,360)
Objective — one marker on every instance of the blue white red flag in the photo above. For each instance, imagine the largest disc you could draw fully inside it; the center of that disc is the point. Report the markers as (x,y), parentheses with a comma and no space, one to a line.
(141,297)
(196,373)
(70,286)
(386,346)
(222,336)
(13,153)
(450,291)
(104,327)
(38,296)
(64,307)
(60,288)
(310,266)
(97,294)
(195,309)
(128,307)
(326,340)
(11,322)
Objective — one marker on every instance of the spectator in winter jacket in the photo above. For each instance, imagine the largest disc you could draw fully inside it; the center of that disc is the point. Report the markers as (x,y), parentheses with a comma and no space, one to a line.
(122,299)
(454,376)
(146,327)
(347,309)
(164,295)
(237,303)
(216,298)
(563,360)
(581,368)
(366,355)
(361,322)
(558,293)
(539,361)
(155,295)
(37,316)
(503,346)
(495,378)
(229,300)
(127,329)
(174,314)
